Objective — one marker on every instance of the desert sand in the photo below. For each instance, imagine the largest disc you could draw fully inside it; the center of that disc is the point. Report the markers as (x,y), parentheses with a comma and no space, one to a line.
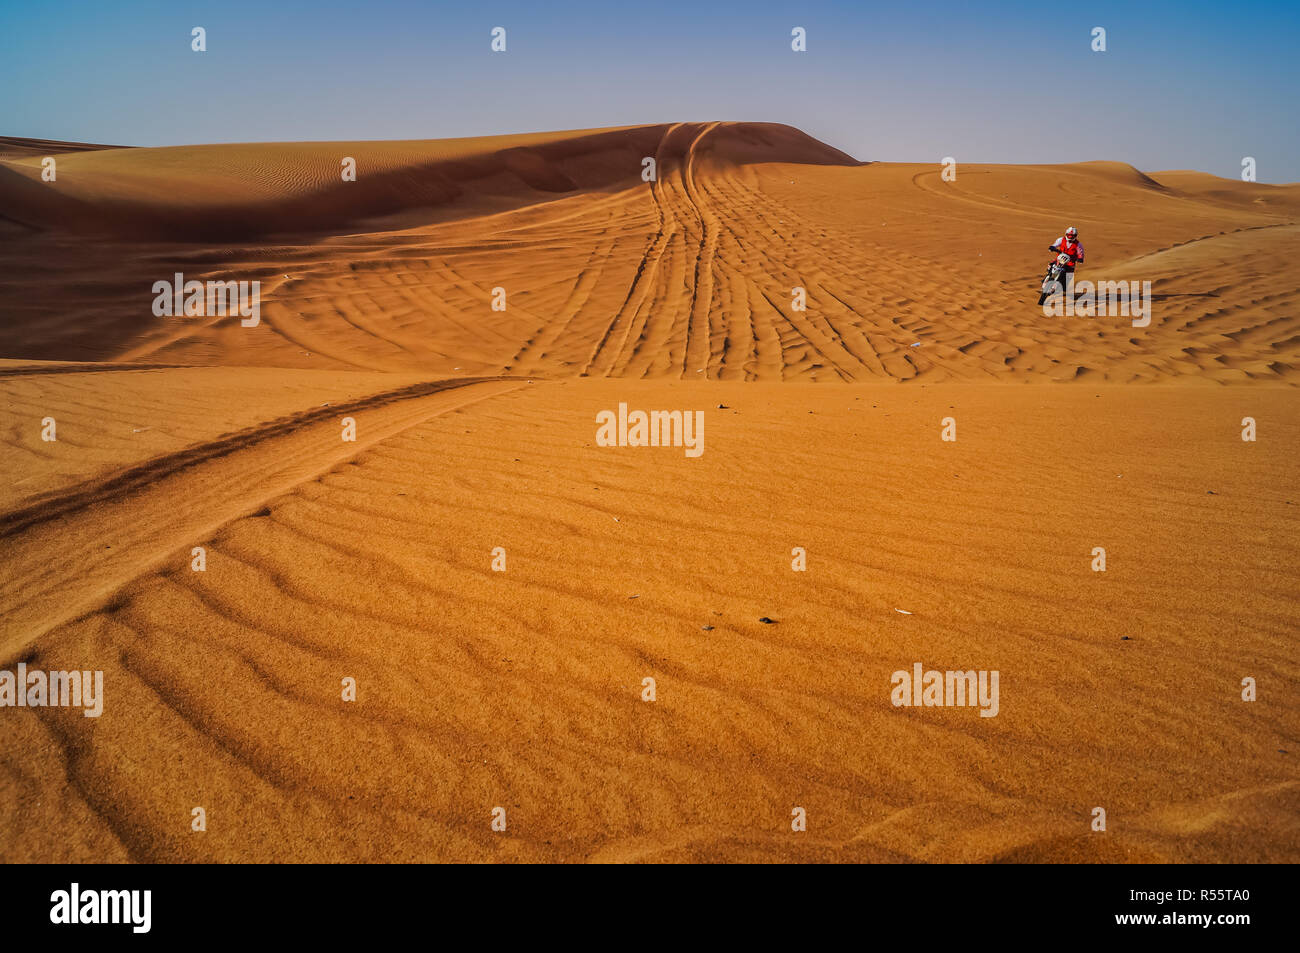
(476,432)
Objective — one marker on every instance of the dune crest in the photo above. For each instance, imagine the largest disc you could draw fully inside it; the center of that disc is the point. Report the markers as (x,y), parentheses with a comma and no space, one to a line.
(245,190)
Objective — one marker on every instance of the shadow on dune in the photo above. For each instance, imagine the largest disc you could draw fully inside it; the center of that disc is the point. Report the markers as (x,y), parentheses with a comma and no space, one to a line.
(237,192)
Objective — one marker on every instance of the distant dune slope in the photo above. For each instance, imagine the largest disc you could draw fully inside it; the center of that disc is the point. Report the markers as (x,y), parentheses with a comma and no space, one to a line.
(17,147)
(252,189)
(693,275)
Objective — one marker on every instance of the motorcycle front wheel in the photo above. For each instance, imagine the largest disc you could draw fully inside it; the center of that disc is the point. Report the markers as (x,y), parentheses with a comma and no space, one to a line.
(1046,289)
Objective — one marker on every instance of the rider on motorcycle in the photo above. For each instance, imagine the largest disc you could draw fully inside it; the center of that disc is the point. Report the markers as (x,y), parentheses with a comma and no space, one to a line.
(1068,244)
(1068,253)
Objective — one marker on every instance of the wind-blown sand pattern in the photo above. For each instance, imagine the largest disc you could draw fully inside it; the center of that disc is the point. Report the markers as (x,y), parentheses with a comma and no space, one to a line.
(476,428)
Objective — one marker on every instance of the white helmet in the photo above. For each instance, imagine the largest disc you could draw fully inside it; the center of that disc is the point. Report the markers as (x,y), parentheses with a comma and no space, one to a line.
(1071,233)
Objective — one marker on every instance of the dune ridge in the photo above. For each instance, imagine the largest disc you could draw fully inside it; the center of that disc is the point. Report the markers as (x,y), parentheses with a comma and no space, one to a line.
(246,190)
(907,276)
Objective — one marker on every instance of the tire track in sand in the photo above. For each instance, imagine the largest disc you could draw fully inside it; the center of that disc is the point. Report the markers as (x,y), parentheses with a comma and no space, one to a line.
(602,358)
(68,555)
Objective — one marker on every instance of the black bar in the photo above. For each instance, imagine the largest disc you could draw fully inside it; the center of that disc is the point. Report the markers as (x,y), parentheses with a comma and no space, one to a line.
(948,904)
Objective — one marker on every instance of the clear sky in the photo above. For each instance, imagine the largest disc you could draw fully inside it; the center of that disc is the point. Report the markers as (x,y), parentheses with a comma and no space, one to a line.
(1182,85)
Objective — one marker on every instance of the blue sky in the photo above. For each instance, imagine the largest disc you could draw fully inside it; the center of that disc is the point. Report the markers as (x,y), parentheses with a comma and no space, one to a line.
(1181,85)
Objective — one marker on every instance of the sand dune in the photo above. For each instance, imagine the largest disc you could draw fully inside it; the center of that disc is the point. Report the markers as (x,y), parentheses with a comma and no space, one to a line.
(16,147)
(688,277)
(248,190)
(522,689)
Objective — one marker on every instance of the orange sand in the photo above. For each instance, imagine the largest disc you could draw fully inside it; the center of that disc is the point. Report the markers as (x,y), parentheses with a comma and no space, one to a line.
(476,430)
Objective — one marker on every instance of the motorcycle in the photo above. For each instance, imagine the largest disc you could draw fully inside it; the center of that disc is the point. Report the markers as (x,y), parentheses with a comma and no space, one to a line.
(1054,278)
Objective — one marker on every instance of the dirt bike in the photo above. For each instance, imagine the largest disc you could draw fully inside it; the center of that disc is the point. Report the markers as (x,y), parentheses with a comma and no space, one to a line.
(1055,275)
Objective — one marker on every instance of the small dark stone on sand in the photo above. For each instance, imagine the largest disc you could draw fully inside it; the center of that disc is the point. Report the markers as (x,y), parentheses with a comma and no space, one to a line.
(707,628)
(766,621)
(723,407)
(1125,638)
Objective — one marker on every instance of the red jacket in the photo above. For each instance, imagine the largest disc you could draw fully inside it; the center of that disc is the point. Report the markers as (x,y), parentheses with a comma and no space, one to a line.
(1073,249)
